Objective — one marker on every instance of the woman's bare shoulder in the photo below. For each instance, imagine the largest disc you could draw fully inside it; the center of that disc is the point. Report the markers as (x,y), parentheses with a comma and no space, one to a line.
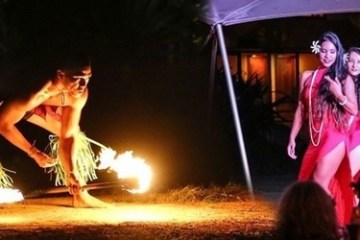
(307,74)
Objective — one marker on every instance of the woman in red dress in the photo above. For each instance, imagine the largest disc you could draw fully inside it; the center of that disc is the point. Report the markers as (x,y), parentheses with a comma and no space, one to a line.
(352,89)
(321,104)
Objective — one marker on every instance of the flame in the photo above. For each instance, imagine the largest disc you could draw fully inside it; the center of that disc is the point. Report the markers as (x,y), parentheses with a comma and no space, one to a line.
(127,166)
(9,195)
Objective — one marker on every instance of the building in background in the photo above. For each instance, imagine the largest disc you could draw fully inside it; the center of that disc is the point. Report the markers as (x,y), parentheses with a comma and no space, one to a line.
(278,51)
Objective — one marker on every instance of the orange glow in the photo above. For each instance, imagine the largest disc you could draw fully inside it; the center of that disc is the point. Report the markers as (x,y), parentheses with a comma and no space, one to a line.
(127,166)
(257,65)
(8,220)
(9,195)
(41,214)
(118,214)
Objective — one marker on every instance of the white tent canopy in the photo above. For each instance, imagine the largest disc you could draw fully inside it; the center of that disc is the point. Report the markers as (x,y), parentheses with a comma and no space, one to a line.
(218,13)
(229,12)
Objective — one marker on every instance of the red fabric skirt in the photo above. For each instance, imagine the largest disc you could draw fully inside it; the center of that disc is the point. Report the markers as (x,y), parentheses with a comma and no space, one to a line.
(340,183)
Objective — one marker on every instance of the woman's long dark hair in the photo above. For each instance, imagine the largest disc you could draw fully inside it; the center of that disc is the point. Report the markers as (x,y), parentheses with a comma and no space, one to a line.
(337,70)
(356,78)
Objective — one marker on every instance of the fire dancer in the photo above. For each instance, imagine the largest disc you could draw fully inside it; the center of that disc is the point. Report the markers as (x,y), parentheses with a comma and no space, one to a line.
(56,106)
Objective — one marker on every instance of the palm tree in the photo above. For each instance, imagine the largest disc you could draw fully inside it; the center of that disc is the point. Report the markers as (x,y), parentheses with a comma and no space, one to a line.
(159,28)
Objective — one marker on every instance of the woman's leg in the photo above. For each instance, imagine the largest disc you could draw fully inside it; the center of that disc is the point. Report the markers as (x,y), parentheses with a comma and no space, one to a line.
(354,158)
(328,165)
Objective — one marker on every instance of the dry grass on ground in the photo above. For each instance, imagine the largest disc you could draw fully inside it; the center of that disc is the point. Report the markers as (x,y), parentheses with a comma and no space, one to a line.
(186,213)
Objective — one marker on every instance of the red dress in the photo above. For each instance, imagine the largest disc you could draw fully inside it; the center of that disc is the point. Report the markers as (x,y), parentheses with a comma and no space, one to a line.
(354,140)
(354,134)
(330,136)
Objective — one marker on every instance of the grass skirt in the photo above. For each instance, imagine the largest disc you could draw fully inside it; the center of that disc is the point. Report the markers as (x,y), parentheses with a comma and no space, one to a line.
(5,180)
(84,162)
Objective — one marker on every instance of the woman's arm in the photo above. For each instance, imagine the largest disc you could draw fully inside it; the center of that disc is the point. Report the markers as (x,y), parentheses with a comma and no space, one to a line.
(350,103)
(344,94)
(298,117)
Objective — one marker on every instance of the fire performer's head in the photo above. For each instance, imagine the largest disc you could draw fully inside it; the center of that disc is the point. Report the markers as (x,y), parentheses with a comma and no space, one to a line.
(74,72)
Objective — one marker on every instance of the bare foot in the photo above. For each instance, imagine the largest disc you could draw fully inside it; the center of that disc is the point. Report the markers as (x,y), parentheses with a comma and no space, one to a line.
(85,200)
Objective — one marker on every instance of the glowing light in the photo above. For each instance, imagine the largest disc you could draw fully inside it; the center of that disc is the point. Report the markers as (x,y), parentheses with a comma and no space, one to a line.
(127,166)
(8,220)
(9,195)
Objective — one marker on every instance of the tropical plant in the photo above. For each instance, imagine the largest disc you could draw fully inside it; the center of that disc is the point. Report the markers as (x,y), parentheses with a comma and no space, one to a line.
(160,28)
(257,112)
(258,117)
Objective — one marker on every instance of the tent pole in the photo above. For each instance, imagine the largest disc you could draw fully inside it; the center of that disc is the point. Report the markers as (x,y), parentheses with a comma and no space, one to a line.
(212,74)
(234,108)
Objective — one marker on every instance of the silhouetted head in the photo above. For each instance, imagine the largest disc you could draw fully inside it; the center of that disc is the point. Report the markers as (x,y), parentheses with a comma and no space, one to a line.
(306,211)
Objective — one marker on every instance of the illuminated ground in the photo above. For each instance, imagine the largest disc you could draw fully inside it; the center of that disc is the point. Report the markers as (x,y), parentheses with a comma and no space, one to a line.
(53,218)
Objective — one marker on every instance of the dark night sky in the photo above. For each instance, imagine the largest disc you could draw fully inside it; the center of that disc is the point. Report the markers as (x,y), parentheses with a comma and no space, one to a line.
(149,87)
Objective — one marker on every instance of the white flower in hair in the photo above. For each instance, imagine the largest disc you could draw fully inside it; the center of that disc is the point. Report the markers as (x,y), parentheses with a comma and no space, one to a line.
(315,47)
